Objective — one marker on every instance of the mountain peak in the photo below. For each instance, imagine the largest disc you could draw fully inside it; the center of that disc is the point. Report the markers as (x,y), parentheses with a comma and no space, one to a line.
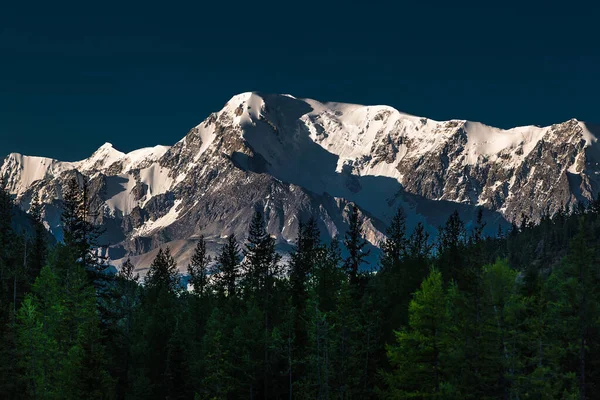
(108,148)
(102,158)
(297,157)
(106,145)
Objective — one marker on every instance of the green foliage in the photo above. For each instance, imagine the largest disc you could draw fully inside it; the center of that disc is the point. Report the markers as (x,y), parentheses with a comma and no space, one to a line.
(516,316)
(355,244)
(163,274)
(419,356)
(261,259)
(451,242)
(39,246)
(79,231)
(404,263)
(198,268)
(58,335)
(227,269)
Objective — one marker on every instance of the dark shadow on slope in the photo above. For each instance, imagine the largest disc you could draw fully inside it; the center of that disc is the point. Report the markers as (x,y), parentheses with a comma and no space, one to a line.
(295,158)
(113,185)
(21,223)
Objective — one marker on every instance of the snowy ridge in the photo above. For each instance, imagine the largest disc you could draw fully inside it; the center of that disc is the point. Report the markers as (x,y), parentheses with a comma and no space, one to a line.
(457,160)
(294,157)
(23,170)
(20,171)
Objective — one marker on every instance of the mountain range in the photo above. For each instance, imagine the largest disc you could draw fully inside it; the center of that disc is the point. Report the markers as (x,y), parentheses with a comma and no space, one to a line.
(294,158)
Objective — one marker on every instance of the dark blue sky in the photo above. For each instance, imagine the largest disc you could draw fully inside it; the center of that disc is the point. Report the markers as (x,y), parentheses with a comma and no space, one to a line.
(75,75)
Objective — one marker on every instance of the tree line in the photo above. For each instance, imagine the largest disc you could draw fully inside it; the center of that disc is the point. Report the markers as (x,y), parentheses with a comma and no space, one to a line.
(463,315)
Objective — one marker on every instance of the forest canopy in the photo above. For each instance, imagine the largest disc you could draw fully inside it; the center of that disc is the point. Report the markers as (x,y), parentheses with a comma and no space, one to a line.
(458,316)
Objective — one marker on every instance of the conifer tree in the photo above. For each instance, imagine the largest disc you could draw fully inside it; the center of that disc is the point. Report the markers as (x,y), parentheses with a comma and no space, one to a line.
(67,361)
(7,237)
(315,384)
(302,262)
(417,357)
(355,244)
(451,243)
(198,268)
(506,310)
(394,247)
(12,277)
(163,273)
(218,380)
(125,298)
(127,272)
(326,281)
(576,307)
(228,267)
(156,319)
(394,277)
(346,345)
(39,245)
(327,275)
(419,247)
(261,259)
(177,374)
(79,230)
(261,268)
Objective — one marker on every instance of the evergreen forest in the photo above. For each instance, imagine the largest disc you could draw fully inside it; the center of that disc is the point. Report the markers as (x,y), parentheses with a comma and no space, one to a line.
(462,315)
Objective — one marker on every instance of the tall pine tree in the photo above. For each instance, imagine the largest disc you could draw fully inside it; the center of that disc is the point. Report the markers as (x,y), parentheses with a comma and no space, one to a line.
(355,244)
(198,268)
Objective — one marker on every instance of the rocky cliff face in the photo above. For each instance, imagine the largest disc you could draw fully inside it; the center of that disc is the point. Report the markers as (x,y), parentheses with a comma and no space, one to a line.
(293,158)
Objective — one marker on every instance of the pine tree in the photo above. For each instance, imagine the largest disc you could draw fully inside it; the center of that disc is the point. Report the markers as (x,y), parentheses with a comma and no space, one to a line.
(39,245)
(198,268)
(315,383)
(394,246)
(67,360)
(303,260)
(346,346)
(451,244)
(155,322)
(7,236)
(355,244)
(576,304)
(326,281)
(80,232)
(327,275)
(370,346)
(162,274)
(418,356)
(125,298)
(13,282)
(177,373)
(246,343)
(419,247)
(261,259)
(6,232)
(538,368)
(127,272)
(228,267)
(261,265)
(218,380)
(506,310)
(302,263)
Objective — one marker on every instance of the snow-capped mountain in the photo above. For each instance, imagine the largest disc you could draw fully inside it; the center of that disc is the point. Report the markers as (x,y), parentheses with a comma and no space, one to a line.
(298,157)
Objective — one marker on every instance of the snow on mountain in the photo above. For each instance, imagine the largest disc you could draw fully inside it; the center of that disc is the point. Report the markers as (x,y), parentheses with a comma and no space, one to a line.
(20,172)
(298,157)
(105,156)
